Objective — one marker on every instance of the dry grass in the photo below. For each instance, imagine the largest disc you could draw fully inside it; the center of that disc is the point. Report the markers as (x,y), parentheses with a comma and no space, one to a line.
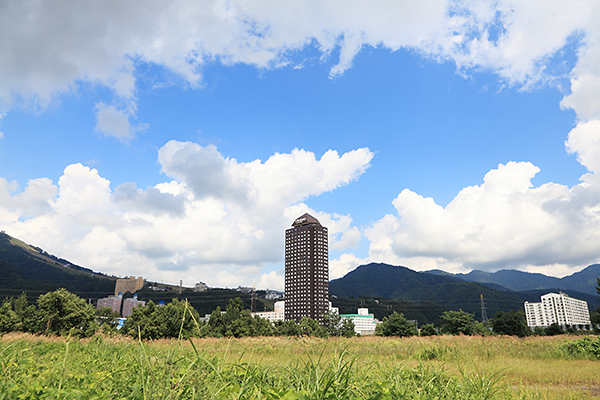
(533,367)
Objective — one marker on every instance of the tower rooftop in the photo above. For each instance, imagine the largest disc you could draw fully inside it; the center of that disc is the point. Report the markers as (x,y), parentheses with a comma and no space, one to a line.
(305,219)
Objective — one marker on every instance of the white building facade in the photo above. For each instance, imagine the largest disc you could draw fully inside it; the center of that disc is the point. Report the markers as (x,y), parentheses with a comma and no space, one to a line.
(364,323)
(557,308)
(277,315)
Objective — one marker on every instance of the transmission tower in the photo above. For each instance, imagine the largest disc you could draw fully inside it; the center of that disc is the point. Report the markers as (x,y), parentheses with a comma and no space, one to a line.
(253,302)
(484,317)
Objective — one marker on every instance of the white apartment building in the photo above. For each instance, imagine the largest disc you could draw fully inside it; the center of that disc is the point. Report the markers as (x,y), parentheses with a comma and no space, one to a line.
(364,323)
(557,308)
(277,315)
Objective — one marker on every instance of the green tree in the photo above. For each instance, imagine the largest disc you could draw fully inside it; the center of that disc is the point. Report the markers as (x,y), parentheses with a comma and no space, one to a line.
(481,329)
(539,331)
(347,328)
(396,325)
(310,327)
(63,313)
(595,320)
(237,322)
(262,327)
(287,328)
(457,322)
(9,321)
(553,330)
(168,321)
(335,325)
(108,320)
(428,330)
(511,323)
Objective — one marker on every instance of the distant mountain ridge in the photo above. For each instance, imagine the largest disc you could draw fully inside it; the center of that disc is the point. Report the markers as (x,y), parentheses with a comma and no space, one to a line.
(454,292)
(583,281)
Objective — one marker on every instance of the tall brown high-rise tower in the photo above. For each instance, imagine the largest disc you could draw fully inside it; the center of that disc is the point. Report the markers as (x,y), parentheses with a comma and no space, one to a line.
(306,269)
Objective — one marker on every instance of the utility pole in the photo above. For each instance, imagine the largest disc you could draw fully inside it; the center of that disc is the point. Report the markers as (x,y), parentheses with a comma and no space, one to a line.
(180,285)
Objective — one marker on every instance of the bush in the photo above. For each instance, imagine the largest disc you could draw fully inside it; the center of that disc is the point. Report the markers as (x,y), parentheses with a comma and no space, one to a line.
(586,347)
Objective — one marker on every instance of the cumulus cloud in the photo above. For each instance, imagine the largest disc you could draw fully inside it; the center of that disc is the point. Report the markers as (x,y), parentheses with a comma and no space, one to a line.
(52,49)
(187,228)
(152,200)
(282,179)
(48,50)
(503,223)
(584,140)
(116,122)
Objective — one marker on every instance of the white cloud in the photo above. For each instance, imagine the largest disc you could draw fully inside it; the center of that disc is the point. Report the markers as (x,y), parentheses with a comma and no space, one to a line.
(584,140)
(115,122)
(502,223)
(187,228)
(50,49)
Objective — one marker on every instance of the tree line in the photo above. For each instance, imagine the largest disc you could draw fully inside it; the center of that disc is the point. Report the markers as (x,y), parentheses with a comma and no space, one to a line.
(63,313)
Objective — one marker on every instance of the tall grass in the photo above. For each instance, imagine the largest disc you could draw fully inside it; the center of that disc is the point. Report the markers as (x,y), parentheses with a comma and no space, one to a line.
(294,368)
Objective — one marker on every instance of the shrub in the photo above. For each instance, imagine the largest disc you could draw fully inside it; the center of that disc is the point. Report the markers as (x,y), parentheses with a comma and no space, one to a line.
(586,347)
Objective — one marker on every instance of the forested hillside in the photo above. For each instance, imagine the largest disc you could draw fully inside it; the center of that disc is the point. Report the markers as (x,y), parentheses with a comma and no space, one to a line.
(31,269)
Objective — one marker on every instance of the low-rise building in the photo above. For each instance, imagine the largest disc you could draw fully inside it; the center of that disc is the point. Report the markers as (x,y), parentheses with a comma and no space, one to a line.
(273,295)
(277,315)
(130,304)
(557,308)
(364,323)
(114,302)
(200,287)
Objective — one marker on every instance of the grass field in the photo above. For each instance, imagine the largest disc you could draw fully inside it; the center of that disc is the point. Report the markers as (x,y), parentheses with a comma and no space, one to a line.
(444,367)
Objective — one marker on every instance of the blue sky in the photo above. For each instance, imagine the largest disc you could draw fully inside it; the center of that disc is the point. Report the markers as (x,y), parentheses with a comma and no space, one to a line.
(180,142)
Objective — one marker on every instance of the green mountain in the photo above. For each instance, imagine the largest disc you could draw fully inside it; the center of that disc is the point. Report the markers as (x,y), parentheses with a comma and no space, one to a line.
(583,281)
(33,270)
(396,282)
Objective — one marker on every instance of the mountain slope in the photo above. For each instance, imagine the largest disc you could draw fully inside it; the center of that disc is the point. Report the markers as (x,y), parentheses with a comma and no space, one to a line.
(383,280)
(28,268)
